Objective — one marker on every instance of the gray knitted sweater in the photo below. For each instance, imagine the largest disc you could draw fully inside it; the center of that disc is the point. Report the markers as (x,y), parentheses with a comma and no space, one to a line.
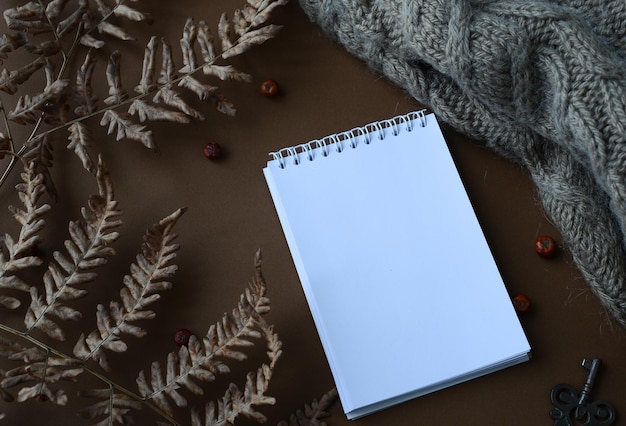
(542,82)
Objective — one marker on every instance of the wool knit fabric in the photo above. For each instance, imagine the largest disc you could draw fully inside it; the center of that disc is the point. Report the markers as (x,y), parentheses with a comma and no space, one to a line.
(541,82)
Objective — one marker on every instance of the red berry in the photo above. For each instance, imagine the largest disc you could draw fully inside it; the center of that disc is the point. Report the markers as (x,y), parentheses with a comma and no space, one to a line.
(521,302)
(269,88)
(212,151)
(545,246)
(181,336)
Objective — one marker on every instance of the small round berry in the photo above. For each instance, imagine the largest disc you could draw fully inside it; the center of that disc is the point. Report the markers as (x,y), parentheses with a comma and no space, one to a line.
(269,88)
(545,246)
(212,151)
(521,302)
(181,336)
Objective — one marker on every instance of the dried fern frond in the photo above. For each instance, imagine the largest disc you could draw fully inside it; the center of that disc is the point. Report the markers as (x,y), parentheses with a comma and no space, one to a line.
(83,91)
(10,42)
(203,360)
(236,403)
(20,253)
(39,153)
(38,367)
(88,248)
(148,278)
(312,413)
(80,141)
(115,407)
(29,109)
(11,80)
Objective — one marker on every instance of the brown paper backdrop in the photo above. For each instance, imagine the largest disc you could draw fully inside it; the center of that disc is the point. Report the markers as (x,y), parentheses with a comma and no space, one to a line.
(230,215)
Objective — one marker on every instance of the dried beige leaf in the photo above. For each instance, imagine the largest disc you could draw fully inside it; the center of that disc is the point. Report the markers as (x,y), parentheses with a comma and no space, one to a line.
(129,13)
(28,17)
(264,11)
(55,8)
(11,42)
(168,69)
(173,99)
(202,360)
(187,44)
(107,28)
(39,152)
(146,111)
(28,110)
(88,248)
(312,413)
(223,32)
(45,48)
(117,94)
(74,20)
(126,128)
(226,73)
(250,39)
(83,92)
(149,276)
(31,220)
(206,42)
(10,80)
(115,407)
(80,141)
(90,41)
(146,84)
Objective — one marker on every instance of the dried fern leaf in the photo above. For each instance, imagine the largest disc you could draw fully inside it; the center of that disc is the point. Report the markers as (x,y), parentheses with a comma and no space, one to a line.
(88,248)
(80,141)
(74,20)
(312,414)
(223,32)
(39,368)
(46,48)
(206,42)
(235,403)
(117,94)
(262,10)
(127,12)
(90,41)
(205,92)
(39,152)
(202,360)
(29,17)
(126,128)
(149,277)
(251,39)
(83,89)
(10,80)
(31,219)
(173,99)
(187,43)
(146,84)
(29,109)
(11,42)
(107,28)
(115,407)
(226,73)
(55,8)
(168,69)
(45,374)
(146,111)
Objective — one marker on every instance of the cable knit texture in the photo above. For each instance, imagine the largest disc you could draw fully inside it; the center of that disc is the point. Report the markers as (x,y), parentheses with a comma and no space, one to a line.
(541,82)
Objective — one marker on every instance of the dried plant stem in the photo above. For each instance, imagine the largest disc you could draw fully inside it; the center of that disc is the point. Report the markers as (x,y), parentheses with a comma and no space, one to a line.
(112,385)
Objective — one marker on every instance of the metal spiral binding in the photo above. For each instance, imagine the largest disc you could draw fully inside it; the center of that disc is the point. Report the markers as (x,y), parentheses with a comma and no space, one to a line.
(338,142)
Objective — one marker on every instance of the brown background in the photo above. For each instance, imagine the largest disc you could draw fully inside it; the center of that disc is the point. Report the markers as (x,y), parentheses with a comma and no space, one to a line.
(230,214)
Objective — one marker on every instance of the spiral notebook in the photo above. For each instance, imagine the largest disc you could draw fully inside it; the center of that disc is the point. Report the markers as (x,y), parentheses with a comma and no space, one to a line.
(402,286)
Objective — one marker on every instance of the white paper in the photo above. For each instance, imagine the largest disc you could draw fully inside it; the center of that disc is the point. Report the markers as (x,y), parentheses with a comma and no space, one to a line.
(400,281)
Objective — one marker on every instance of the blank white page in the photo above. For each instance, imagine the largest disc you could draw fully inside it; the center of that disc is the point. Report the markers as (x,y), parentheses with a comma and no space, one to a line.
(400,281)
